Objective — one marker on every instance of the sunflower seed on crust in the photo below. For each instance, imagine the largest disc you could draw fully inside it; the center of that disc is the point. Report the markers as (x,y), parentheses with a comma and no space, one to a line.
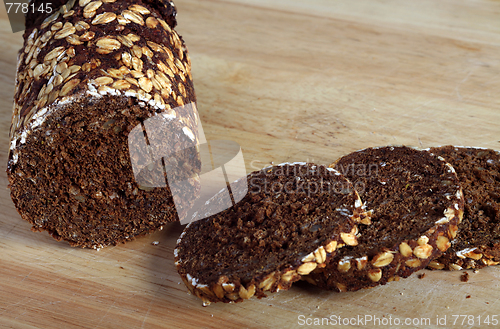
(344,265)
(46,36)
(423,251)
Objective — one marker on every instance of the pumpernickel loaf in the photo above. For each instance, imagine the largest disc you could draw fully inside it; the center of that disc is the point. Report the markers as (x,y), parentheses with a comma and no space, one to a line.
(292,220)
(87,75)
(478,243)
(417,204)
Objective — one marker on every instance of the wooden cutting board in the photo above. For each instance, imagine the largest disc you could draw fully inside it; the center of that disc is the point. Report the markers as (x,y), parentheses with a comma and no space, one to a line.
(289,81)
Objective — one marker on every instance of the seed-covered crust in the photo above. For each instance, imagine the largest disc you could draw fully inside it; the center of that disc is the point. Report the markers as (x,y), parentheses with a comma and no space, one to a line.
(478,243)
(87,75)
(291,222)
(417,204)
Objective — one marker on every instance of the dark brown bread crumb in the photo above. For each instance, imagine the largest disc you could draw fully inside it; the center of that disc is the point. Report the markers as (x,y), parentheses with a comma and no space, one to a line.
(417,204)
(92,82)
(478,242)
(291,221)
(464,277)
(421,276)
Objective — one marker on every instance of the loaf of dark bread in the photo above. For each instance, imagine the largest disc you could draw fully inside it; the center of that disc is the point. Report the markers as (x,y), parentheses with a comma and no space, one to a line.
(87,75)
(417,203)
(478,243)
(292,220)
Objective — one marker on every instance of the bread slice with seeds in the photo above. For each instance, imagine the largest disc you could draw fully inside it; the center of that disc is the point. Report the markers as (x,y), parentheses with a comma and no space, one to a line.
(478,243)
(87,75)
(417,204)
(292,220)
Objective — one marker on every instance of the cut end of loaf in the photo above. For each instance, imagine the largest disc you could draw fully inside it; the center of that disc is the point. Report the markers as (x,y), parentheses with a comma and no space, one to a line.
(87,75)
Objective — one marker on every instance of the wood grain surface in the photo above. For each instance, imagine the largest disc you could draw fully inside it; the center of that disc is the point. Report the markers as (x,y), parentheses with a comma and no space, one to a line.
(289,81)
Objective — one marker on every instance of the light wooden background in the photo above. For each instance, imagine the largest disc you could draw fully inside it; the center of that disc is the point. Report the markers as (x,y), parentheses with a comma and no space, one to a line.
(289,81)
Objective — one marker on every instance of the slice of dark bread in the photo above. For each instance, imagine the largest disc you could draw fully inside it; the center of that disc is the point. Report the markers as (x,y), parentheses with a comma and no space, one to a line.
(417,204)
(478,243)
(291,221)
